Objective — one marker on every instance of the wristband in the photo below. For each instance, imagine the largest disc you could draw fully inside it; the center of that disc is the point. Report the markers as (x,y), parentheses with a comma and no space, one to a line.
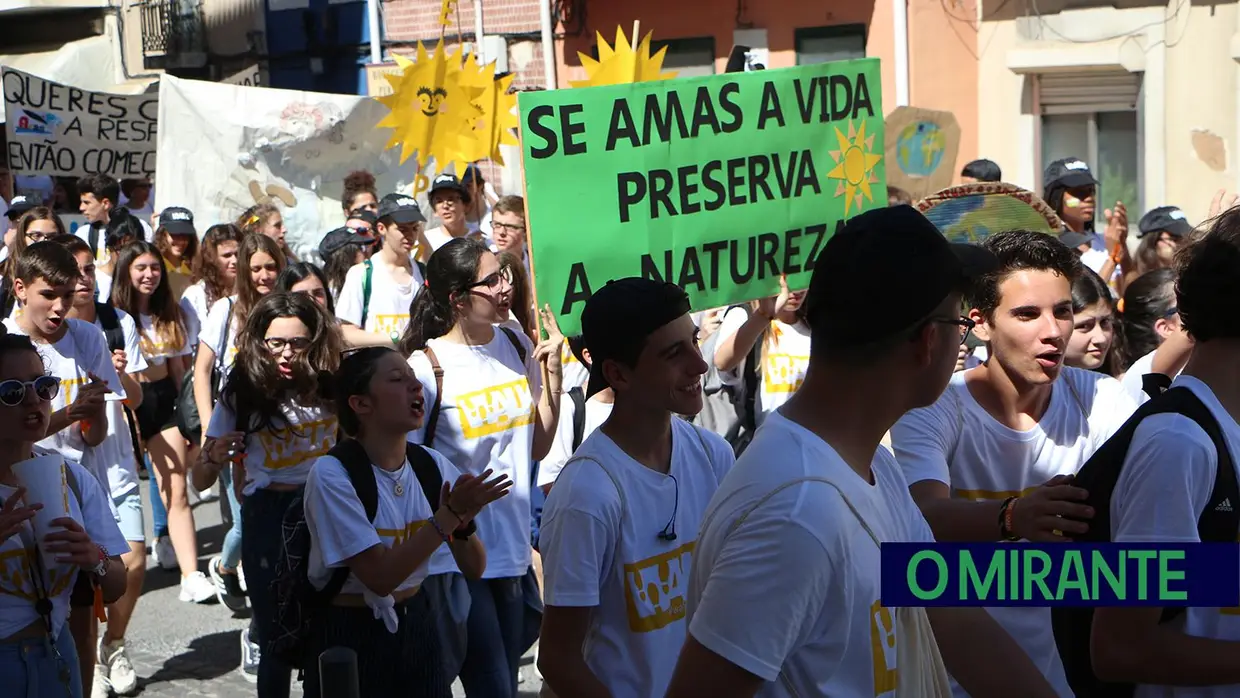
(464,532)
(439,529)
(1005,520)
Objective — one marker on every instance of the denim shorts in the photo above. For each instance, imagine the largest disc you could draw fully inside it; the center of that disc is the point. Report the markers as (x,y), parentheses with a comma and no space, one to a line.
(129,508)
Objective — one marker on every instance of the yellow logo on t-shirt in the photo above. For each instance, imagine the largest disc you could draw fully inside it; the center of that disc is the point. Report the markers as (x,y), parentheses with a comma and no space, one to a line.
(389,325)
(783,373)
(68,388)
(566,355)
(883,647)
(654,589)
(395,536)
(16,577)
(496,409)
(290,446)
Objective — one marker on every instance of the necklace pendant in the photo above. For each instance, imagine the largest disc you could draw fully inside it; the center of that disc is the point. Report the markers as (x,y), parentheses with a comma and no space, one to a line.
(399,489)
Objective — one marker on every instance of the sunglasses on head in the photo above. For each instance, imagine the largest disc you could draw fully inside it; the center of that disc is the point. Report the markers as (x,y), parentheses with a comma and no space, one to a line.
(13,392)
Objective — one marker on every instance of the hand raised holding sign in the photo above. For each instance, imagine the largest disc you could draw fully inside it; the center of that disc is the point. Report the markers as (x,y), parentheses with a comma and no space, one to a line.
(548,350)
(770,308)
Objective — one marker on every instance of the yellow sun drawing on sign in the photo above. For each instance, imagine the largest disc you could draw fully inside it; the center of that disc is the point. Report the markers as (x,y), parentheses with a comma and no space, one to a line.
(431,111)
(854,167)
(622,65)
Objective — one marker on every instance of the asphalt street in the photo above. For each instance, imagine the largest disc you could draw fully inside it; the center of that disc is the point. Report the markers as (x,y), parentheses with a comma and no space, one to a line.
(183,650)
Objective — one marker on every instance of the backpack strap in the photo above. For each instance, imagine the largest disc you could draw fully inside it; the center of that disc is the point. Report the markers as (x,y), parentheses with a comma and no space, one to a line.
(367,280)
(432,421)
(429,475)
(578,397)
(111,323)
(516,343)
(357,465)
(1155,384)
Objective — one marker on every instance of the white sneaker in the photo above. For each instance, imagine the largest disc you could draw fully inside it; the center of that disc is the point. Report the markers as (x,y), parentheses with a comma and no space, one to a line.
(165,554)
(241,578)
(99,685)
(197,588)
(120,671)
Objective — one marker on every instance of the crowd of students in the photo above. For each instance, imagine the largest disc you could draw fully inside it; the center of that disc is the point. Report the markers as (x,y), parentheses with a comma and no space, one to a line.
(402,475)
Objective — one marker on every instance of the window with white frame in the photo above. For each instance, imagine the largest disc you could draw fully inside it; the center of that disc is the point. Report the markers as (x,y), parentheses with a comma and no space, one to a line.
(824,44)
(1096,116)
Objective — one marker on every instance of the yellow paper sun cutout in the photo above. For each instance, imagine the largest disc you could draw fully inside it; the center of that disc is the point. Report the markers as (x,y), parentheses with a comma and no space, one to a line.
(622,65)
(431,114)
(854,167)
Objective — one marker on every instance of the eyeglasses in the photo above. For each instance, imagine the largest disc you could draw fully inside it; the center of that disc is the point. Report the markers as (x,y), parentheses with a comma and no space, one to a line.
(360,230)
(13,392)
(965,324)
(32,238)
(277,345)
(508,226)
(493,281)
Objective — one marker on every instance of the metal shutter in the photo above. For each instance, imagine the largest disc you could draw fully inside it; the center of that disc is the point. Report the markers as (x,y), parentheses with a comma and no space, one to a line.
(1077,92)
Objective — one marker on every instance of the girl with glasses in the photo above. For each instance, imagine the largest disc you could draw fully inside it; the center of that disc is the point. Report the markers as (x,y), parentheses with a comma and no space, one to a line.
(488,410)
(271,425)
(37,651)
(36,225)
(143,290)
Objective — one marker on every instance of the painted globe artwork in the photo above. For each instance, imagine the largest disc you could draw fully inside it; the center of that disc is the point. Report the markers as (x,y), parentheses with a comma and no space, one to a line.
(919,149)
(972,213)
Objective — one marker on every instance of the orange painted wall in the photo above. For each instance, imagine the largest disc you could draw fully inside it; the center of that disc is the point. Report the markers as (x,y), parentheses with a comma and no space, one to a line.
(943,65)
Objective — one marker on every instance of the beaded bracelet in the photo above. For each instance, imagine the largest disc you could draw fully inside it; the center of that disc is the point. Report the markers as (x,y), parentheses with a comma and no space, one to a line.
(439,529)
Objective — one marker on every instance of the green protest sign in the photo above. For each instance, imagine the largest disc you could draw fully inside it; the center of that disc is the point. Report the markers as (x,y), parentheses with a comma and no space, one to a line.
(718,184)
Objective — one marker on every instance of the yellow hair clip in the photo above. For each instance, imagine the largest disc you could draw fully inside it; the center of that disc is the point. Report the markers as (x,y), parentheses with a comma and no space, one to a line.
(1119,306)
(252,219)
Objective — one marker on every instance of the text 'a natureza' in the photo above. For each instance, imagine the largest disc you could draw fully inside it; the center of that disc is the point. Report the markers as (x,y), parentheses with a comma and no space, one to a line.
(719,184)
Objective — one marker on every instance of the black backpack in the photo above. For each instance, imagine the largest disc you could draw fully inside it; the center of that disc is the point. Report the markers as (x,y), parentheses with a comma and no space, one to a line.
(297,601)
(112,331)
(1219,523)
(578,396)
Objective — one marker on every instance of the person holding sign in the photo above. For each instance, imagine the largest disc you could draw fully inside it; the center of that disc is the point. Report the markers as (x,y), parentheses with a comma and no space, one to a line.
(784,594)
(625,512)
(55,524)
(489,409)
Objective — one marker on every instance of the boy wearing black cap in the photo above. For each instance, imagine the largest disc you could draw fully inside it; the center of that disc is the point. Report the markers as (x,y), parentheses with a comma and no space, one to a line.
(450,201)
(993,457)
(377,293)
(619,528)
(785,590)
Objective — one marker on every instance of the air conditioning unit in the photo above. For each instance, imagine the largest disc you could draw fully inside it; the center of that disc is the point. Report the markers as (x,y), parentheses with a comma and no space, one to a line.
(494,50)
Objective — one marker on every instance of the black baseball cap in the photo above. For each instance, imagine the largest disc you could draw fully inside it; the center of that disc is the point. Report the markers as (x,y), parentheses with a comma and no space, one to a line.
(883,273)
(401,209)
(1074,239)
(362,214)
(22,203)
(621,315)
(177,221)
(340,237)
(1068,173)
(1168,218)
(449,182)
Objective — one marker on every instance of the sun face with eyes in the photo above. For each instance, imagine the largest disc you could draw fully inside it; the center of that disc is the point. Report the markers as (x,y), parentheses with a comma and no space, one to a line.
(430,99)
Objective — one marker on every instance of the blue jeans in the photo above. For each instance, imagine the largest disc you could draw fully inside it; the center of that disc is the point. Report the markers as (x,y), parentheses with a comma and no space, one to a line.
(230,552)
(159,513)
(263,514)
(30,669)
(495,638)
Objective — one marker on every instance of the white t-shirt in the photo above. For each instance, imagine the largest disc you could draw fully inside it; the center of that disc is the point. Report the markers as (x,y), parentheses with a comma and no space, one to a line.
(158,348)
(17,590)
(795,588)
(573,372)
(601,549)
(1166,483)
(81,351)
(285,455)
(783,365)
(338,525)
(486,420)
(438,237)
(103,286)
(597,412)
(389,302)
(217,332)
(957,442)
(194,305)
(115,457)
